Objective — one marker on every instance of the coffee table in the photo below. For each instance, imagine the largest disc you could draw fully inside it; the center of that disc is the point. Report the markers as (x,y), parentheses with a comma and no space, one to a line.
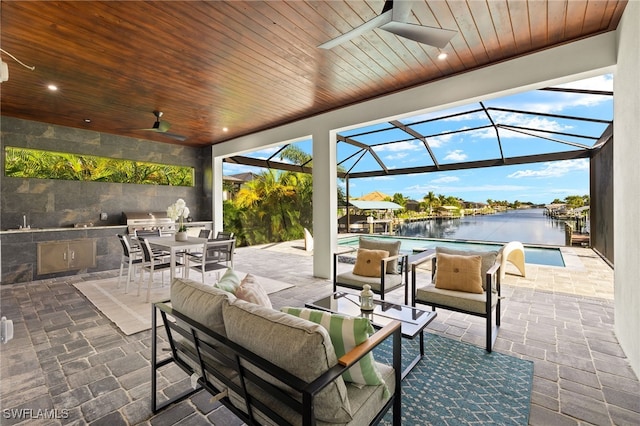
(412,320)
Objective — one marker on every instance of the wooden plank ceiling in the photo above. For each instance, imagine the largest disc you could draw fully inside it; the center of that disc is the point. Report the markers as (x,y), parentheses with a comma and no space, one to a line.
(251,65)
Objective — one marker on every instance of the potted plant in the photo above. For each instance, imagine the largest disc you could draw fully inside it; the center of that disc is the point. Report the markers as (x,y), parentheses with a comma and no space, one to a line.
(178,211)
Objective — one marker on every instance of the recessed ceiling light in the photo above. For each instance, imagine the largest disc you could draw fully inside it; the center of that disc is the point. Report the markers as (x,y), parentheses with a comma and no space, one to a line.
(52,87)
(225,129)
(87,120)
(442,56)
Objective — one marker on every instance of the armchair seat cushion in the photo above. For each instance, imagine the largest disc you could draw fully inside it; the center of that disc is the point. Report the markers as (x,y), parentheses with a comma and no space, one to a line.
(358,281)
(471,302)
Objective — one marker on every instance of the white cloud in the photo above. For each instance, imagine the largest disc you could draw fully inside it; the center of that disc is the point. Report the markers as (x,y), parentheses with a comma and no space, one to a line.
(446,179)
(522,120)
(450,190)
(266,153)
(601,82)
(456,155)
(438,141)
(553,169)
(559,101)
(399,147)
(232,169)
(398,156)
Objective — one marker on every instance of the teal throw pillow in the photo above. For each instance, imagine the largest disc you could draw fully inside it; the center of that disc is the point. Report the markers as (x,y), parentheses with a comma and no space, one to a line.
(230,282)
(346,333)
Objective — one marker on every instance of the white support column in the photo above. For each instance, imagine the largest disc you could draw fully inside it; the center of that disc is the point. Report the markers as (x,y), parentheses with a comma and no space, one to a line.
(325,202)
(626,181)
(217,200)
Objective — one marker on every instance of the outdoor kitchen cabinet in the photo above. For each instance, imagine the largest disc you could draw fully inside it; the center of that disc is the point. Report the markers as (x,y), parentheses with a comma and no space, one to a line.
(60,256)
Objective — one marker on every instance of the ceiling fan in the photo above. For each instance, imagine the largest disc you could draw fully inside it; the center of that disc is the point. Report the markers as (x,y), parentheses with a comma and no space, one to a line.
(393,19)
(163,127)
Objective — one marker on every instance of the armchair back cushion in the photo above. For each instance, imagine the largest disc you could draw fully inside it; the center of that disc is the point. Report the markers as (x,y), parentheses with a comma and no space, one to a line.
(460,273)
(488,259)
(299,346)
(392,246)
(368,262)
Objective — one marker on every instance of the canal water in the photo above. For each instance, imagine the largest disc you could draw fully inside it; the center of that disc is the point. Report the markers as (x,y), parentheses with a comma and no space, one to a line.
(529,226)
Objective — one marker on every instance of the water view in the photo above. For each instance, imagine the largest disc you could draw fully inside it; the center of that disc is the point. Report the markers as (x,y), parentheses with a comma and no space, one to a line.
(529,226)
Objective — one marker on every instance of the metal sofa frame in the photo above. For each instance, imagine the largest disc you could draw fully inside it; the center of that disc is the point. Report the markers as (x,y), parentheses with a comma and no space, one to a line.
(249,370)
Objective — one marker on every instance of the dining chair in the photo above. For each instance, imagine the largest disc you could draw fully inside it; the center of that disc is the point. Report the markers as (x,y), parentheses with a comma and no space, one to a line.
(130,257)
(197,255)
(144,233)
(204,233)
(153,263)
(222,254)
(216,256)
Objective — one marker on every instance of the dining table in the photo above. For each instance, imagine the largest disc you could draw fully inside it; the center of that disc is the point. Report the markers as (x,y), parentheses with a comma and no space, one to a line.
(169,244)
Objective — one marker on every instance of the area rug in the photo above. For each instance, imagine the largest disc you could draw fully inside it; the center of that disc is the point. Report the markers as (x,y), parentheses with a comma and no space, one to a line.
(457,383)
(130,312)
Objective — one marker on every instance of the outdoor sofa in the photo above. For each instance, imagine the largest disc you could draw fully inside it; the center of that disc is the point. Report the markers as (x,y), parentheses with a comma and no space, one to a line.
(267,366)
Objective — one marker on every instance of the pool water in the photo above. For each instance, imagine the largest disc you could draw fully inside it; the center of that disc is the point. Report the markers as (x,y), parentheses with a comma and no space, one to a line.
(549,256)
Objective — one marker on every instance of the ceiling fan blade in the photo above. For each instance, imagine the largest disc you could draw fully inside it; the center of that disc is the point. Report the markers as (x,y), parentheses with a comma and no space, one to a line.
(437,37)
(376,22)
(401,10)
(164,126)
(159,127)
(175,136)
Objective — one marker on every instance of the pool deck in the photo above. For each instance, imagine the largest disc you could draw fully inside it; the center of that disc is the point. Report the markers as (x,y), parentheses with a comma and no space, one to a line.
(559,318)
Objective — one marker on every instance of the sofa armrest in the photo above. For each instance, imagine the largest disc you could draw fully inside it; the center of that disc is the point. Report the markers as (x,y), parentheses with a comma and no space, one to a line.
(367,346)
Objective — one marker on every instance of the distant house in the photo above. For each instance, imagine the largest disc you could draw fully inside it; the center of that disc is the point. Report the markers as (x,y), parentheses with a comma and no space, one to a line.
(412,205)
(448,211)
(361,213)
(233,183)
(374,196)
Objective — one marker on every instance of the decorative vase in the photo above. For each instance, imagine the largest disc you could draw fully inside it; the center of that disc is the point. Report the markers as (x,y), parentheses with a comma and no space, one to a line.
(182,236)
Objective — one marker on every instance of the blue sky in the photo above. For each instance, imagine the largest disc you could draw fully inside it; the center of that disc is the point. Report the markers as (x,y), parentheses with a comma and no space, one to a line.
(537,183)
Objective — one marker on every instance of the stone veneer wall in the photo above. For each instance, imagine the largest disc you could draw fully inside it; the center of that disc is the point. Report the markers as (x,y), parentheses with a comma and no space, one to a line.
(60,203)
(50,203)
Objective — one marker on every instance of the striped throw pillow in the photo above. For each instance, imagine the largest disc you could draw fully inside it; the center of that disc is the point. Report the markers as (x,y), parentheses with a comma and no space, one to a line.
(346,333)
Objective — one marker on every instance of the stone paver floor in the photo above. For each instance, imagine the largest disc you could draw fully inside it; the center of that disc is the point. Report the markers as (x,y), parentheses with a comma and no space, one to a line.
(68,364)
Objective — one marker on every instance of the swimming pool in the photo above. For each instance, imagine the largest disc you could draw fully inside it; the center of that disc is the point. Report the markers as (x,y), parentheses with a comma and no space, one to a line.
(549,256)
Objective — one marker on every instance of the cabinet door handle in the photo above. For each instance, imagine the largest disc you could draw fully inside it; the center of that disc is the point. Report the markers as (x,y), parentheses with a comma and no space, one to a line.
(64,256)
(73,255)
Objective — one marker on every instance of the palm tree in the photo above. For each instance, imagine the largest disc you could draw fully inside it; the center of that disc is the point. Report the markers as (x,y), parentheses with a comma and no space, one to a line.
(430,200)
